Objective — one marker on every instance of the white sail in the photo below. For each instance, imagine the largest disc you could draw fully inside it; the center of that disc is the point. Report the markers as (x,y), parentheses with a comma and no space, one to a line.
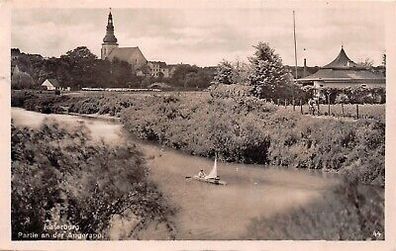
(213,172)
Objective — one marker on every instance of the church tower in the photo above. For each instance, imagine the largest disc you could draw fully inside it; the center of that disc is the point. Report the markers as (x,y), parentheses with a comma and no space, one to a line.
(109,41)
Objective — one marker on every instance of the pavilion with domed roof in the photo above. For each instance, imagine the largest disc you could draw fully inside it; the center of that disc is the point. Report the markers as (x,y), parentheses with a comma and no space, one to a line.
(342,72)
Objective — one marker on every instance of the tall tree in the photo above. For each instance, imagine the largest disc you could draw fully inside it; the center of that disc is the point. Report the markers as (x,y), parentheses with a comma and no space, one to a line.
(81,64)
(268,76)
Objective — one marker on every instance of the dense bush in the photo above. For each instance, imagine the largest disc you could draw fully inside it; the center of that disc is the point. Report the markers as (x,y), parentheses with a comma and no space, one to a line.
(225,74)
(356,148)
(349,212)
(203,126)
(60,178)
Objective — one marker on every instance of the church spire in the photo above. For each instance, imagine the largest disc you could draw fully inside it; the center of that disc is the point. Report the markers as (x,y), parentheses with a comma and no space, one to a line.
(110,38)
(109,41)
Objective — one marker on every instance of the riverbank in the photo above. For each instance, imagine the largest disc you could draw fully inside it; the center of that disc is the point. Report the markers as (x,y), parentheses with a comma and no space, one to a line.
(256,197)
(237,127)
(72,173)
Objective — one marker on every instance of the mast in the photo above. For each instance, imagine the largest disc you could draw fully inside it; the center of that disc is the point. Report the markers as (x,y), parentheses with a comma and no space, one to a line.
(295,42)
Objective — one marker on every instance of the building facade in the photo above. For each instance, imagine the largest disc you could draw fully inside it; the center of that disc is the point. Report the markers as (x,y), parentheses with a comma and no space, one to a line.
(159,69)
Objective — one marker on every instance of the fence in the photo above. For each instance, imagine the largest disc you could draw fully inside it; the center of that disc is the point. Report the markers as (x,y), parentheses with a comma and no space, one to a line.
(356,111)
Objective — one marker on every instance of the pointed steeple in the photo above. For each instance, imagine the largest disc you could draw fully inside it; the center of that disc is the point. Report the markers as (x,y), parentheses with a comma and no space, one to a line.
(341,61)
(110,38)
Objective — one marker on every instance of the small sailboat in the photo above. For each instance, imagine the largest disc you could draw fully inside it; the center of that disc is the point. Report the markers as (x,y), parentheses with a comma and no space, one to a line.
(212,177)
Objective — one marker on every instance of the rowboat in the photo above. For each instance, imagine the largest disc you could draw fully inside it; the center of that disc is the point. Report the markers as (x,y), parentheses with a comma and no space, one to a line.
(212,177)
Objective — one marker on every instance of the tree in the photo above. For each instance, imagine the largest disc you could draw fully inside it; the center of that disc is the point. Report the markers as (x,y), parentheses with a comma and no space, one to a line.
(80,53)
(243,70)
(268,76)
(384,59)
(22,80)
(225,73)
(367,62)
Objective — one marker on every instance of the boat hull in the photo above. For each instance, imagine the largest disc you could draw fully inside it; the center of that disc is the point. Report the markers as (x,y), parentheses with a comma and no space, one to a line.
(211,181)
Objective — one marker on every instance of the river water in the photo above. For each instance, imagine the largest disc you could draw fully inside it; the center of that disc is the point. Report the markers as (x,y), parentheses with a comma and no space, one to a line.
(205,211)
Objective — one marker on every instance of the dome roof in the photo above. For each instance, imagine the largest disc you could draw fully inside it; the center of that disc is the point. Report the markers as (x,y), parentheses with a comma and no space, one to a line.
(110,38)
(341,61)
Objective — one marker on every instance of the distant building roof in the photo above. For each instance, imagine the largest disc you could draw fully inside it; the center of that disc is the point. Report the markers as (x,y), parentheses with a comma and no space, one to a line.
(341,61)
(328,74)
(343,68)
(53,81)
(160,63)
(127,54)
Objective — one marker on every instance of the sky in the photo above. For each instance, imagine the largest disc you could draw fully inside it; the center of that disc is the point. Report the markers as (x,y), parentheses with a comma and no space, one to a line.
(205,36)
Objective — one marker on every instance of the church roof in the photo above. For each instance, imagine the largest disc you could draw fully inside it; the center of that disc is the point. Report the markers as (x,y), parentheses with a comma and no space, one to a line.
(341,61)
(109,37)
(126,54)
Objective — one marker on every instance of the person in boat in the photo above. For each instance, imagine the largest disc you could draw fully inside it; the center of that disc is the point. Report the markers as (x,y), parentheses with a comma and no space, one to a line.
(201,174)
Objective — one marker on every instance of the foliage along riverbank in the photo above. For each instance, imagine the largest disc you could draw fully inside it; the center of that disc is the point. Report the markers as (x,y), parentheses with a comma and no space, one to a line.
(239,128)
(346,212)
(66,187)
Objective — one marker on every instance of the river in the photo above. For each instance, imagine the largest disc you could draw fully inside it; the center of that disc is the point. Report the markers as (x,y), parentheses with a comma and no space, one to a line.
(205,211)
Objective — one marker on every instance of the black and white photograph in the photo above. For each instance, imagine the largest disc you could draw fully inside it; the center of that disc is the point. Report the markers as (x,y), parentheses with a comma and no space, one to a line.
(203,124)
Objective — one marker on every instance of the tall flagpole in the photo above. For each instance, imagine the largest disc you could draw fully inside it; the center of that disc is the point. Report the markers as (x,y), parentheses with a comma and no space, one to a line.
(295,43)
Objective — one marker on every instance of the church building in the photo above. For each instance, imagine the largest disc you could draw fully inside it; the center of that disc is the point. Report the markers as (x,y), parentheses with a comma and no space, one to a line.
(111,51)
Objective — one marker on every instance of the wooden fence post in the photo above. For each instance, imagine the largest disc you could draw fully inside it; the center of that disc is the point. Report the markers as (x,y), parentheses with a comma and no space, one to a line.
(294,104)
(342,109)
(301,108)
(318,105)
(285,103)
(277,101)
(357,111)
(328,104)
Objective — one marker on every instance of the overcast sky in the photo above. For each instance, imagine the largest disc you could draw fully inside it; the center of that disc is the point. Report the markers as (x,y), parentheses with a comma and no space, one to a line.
(206,36)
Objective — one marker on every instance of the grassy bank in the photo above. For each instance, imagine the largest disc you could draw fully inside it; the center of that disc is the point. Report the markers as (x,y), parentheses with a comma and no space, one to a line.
(61,179)
(239,128)
(348,212)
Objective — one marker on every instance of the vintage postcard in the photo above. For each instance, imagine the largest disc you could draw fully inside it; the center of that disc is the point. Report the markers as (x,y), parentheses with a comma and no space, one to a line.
(220,125)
